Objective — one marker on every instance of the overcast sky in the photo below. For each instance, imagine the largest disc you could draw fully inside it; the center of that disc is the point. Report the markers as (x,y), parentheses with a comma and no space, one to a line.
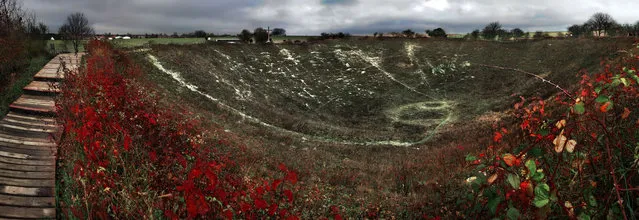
(311,17)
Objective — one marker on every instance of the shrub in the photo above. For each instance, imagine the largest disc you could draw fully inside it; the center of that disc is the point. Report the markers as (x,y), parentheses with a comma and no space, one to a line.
(127,156)
(573,155)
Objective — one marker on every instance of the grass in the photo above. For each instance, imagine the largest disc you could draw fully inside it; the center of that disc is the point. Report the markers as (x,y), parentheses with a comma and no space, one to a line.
(265,82)
(64,46)
(11,93)
(59,44)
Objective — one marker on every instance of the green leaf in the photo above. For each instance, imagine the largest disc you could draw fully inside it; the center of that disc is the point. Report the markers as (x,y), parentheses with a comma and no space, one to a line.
(583,216)
(536,152)
(532,167)
(514,181)
(493,203)
(625,82)
(513,213)
(598,89)
(615,82)
(542,196)
(470,158)
(602,99)
(579,108)
(538,176)
(592,201)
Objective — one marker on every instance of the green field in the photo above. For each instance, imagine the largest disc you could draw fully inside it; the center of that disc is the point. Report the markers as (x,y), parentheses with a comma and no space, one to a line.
(61,46)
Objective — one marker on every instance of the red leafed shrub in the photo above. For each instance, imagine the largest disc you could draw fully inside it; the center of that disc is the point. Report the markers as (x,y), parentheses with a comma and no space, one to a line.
(575,155)
(124,155)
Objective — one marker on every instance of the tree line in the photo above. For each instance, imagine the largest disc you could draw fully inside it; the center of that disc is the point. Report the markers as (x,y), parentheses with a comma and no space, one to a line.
(21,38)
(601,25)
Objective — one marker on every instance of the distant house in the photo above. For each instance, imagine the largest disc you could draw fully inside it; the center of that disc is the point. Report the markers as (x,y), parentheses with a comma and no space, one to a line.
(118,37)
(52,38)
(126,38)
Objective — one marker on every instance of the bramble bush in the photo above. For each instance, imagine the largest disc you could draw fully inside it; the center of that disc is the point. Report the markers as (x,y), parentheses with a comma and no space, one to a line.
(126,156)
(572,156)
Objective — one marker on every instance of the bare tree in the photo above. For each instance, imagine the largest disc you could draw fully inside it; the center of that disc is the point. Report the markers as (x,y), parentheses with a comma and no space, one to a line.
(76,29)
(601,23)
(491,30)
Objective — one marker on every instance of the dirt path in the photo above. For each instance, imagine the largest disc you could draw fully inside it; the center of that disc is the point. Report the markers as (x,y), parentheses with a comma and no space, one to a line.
(28,146)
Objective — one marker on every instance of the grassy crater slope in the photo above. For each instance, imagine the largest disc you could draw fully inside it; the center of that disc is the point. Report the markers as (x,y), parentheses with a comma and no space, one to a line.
(375,92)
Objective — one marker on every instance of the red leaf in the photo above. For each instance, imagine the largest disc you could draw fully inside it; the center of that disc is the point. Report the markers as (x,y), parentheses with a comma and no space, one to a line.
(260,203)
(127,142)
(228,214)
(272,209)
(497,137)
(289,195)
(292,177)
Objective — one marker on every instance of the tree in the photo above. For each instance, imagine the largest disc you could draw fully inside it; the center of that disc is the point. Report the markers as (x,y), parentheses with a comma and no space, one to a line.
(491,30)
(517,33)
(601,23)
(260,35)
(576,30)
(475,34)
(76,29)
(245,36)
(278,32)
(200,34)
(438,32)
(503,34)
(538,35)
(408,33)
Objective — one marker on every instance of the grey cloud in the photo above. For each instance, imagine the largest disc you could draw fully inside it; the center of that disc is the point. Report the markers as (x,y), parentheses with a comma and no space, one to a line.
(307,17)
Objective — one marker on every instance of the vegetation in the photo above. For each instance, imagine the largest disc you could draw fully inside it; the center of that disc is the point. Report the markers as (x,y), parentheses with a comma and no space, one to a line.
(278,32)
(76,30)
(22,49)
(438,32)
(601,23)
(127,156)
(573,155)
(518,33)
(408,33)
(368,181)
(245,36)
(260,35)
(491,31)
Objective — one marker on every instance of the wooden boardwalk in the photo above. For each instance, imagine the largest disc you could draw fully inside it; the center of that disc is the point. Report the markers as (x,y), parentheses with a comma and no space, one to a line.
(28,146)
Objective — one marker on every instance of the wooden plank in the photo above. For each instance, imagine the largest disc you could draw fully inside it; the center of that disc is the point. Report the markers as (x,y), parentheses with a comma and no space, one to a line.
(31,161)
(26,129)
(31,153)
(26,134)
(25,201)
(25,156)
(26,182)
(33,124)
(27,174)
(26,212)
(42,86)
(28,168)
(26,191)
(33,141)
(32,117)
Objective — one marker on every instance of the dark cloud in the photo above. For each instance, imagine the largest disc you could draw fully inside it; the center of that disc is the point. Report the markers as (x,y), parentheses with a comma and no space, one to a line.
(308,17)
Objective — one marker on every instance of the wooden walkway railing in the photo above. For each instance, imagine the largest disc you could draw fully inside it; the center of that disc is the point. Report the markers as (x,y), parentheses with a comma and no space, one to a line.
(28,146)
